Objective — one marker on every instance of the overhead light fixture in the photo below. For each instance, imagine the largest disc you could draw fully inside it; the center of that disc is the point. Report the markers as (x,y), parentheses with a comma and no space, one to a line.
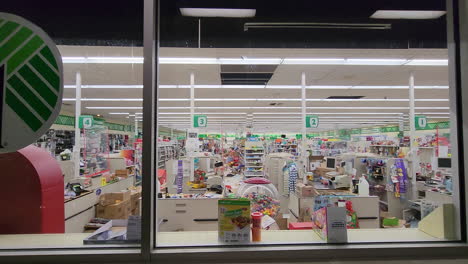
(250,61)
(302,25)
(265,61)
(124,60)
(118,113)
(407,14)
(105,86)
(313,61)
(376,61)
(417,62)
(106,99)
(217,12)
(115,107)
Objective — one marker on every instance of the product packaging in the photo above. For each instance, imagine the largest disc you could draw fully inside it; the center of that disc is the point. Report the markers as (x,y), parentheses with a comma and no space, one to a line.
(234,220)
(257,227)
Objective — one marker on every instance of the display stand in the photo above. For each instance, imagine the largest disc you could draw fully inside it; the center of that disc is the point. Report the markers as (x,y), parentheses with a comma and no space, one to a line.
(254,158)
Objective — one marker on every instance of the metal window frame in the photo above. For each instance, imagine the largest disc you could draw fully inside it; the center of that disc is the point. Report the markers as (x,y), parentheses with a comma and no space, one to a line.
(457,21)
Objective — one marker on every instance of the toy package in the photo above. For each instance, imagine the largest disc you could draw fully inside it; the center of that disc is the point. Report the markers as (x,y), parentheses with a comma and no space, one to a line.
(234,220)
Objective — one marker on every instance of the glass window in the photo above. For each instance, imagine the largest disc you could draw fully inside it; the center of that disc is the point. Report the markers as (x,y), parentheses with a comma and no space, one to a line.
(300,128)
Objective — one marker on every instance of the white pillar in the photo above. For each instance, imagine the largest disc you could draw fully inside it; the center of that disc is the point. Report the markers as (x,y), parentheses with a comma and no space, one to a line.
(413,150)
(136,127)
(192,112)
(303,153)
(76,148)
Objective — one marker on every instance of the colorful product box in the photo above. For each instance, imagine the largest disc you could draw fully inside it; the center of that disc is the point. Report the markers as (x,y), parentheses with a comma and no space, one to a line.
(234,220)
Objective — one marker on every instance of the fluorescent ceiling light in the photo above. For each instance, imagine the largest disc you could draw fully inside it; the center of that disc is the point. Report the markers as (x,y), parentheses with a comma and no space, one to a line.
(376,61)
(315,113)
(417,62)
(249,61)
(106,86)
(174,99)
(407,14)
(118,113)
(217,12)
(313,61)
(114,107)
(106,99)
(266,61)
(182,60)
(248,107)
(126,60)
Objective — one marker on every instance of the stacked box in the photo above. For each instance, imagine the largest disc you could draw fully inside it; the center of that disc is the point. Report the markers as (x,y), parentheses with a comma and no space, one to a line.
(114,205)
(135,200)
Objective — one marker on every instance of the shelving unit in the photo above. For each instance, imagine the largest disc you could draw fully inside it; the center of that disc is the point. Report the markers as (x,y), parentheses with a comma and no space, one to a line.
(167,151)
(254,158)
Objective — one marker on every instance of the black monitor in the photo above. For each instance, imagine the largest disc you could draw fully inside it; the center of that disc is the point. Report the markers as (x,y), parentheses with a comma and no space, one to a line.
(331,163)
(444,163)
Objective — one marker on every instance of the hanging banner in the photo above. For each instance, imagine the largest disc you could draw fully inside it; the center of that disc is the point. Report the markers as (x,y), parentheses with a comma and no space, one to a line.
(31,82)
(312,121)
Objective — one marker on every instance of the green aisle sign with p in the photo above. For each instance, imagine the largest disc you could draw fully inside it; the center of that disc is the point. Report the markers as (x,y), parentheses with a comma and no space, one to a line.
(420,122)
(86,121)
(312,121)
(31,82)
(200,121)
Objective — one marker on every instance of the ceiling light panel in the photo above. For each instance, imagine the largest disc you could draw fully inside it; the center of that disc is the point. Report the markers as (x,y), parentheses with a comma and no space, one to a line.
(217,12)
(407,14)
(261,61)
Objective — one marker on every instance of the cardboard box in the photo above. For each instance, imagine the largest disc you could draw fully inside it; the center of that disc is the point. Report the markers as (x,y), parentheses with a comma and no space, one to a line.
(119,210)
(303,190)
(321,172)
(121,173)
(112,198)
(281,222)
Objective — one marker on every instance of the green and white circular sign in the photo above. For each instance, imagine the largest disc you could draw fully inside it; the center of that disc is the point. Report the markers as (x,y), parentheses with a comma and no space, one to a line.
(31,82)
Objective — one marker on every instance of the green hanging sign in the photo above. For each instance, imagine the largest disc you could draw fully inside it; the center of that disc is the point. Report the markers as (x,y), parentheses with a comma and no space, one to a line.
(200,121)
(86,121)
(31,82)
(420,122)
(312,121)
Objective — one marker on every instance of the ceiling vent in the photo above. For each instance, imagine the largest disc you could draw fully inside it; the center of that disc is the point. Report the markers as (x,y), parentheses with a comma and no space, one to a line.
(246,74)
(346,97)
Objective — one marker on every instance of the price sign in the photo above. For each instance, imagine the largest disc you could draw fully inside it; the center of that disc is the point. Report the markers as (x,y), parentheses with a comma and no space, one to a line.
(312,121)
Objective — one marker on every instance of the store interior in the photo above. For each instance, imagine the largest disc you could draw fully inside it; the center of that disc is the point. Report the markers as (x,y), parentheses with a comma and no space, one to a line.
(293,131)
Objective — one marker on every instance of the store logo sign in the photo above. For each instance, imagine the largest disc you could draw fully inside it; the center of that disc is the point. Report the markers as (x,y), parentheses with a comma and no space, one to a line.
(31,82)
(200,121)
(312,121)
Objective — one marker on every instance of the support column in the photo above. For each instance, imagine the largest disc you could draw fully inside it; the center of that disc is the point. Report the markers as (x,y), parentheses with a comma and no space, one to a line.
(192,125)
(304,154)
(77,146)
(136,127)
(413,149)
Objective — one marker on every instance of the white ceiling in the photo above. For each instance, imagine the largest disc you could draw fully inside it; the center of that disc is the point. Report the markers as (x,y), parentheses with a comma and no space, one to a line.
(316,75)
